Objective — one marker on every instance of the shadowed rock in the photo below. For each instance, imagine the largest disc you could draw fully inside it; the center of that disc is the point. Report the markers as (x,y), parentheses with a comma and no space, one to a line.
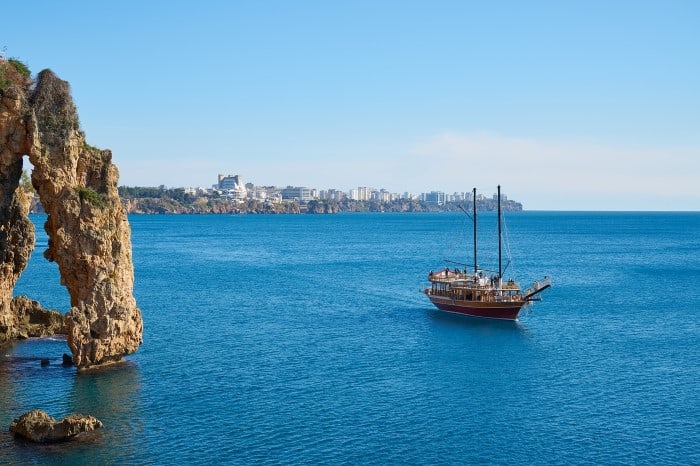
(39,427)
(34,321)
(16,230)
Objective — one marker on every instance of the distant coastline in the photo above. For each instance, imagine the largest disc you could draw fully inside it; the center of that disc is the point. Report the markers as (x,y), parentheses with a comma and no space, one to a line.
(177,201)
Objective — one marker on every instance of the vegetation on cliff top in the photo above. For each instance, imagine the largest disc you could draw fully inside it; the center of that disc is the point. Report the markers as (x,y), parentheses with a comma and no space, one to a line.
(21,67)
(14,71)
(54,108)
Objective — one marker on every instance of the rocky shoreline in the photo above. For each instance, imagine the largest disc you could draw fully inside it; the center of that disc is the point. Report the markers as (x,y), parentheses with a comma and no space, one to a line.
(211,205)
(208,205)
(31,320)
(174,202)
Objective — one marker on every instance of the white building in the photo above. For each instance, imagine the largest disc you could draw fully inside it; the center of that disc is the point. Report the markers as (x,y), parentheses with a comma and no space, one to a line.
(434,197)
(232,186)
(361,193)
(299,193)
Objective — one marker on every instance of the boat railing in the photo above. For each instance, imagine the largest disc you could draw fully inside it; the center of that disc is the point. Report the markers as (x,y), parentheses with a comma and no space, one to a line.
(546,281)
(449,277)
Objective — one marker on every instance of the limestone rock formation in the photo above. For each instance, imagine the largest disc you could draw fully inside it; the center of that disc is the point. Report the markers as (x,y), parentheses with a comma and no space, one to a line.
(16,230)
(38,426)
(31,320)
(89,235)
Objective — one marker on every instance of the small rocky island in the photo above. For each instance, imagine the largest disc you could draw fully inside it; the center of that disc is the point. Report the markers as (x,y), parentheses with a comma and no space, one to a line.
(88,230)
(37,426)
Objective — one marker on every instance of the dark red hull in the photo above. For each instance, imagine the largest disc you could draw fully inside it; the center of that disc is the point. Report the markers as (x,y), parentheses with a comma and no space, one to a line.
(489,310)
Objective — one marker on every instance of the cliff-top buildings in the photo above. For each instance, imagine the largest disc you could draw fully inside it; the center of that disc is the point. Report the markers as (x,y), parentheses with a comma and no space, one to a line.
(232,187)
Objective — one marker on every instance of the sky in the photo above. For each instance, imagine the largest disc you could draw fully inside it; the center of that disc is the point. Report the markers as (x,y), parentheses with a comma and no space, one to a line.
(568,105)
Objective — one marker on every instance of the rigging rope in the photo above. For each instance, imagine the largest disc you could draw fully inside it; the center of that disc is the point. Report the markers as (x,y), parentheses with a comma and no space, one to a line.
(460,239)
(507,242)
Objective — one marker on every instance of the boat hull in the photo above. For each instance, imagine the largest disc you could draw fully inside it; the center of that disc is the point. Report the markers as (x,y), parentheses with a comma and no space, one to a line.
(488,310)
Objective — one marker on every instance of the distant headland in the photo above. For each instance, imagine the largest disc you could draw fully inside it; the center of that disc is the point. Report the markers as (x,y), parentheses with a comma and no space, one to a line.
(230,196)
(234,198)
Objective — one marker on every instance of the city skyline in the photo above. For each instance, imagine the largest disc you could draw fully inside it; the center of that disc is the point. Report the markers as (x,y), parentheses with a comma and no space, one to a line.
(236,186)
(568,106)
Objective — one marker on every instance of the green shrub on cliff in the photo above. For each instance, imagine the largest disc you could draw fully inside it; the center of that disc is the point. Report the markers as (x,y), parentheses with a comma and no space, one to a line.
(4,80)
(13,71)
(21,68)
(91,196)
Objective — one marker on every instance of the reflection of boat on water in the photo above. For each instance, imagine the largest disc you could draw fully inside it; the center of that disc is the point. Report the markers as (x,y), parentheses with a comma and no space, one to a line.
(477,295)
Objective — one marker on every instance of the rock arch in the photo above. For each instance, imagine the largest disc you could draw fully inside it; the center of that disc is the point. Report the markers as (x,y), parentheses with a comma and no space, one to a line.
(89,234)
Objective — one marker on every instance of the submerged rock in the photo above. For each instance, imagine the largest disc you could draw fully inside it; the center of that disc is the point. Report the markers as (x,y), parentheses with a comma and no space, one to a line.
(67,360)
(38,426)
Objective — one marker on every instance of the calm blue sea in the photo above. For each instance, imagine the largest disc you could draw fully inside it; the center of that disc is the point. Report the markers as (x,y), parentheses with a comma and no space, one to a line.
(304,339)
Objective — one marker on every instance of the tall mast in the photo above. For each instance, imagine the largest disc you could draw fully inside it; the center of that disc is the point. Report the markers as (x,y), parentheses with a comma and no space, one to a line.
(500,274)
(476,266)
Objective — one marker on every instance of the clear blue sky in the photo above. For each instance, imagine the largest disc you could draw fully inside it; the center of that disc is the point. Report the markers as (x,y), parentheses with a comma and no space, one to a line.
(569,105)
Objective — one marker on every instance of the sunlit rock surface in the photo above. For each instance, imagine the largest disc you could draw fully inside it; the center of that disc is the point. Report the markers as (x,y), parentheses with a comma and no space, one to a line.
(89,235)
(39,427)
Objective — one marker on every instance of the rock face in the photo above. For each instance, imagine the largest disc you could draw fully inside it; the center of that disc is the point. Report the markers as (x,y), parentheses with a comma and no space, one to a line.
(16,230)
(38,426)
(32,320)
(89,235)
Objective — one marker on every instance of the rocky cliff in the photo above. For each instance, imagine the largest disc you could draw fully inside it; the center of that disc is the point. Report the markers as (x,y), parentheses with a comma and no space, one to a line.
(89,235)
(16,230)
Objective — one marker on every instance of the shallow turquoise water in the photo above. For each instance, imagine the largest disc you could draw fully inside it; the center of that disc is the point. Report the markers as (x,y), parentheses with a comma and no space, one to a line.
(304,339)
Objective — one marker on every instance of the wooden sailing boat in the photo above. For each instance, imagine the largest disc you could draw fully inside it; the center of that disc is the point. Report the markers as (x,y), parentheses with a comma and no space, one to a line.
(477,295)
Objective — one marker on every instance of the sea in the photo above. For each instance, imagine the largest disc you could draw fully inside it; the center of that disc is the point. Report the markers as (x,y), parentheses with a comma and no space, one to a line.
(306,339)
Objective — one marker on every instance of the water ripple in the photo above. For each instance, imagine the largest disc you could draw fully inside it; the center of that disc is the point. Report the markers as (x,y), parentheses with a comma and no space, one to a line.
(304,339)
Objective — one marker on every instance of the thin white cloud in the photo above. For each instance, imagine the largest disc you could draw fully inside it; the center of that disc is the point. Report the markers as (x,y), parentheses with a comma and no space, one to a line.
(542,174)
(565,174)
